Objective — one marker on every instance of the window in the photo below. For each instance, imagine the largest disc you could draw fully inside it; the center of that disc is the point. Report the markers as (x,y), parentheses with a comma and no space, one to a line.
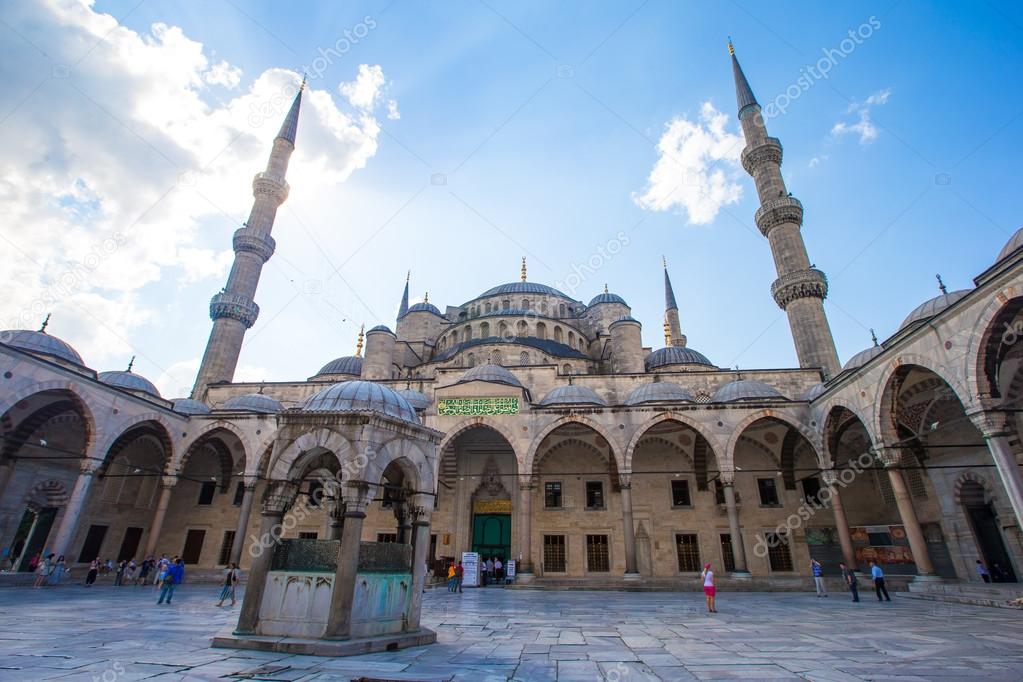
(466,334)
(571,338)
(487,307)
(130,543)
(206,492)
(778,552)
(561,310)
(505,305)
(680,494)
(554,553)
(495,358)
(193,546)
(811,489)
(523,358)
(688,549)
(226,545)
(719,492)
(484,330)
(239,494)
(471,360)
(502,330)
(557,335)
(525,304)
(598,559)
(567,369)
(522,329)
(308,535)
(92,544)
(541,330)
(879,539)
(768,492)
(315,494)
(594,495)
(543,307)
(552,495)
(727,555)
(387,537)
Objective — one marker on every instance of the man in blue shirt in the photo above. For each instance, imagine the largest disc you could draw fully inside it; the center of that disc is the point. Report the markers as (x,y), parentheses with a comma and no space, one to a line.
(878,575)
(818,577)
(175,576)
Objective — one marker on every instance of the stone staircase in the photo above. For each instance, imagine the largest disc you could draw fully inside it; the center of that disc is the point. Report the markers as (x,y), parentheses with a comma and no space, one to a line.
(977,594)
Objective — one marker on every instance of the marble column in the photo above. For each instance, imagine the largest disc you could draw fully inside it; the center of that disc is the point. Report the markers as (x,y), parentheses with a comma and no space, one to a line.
(738,549)
(167,484)
(524,564)
(914,533)
(841,523)
(419,512)
(342,598)
(277,499)
(996,428)
(629,528)
(72,514)
(404,524)
(243,521)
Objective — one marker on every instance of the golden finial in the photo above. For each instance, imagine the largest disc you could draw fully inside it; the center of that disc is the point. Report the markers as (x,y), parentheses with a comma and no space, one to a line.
(131,363)
(523,270)
(941,284)
(605,288)
(358,342)
(664,262)
(426,297)
(667,334)
(45,322)
(731,48)
(302,86)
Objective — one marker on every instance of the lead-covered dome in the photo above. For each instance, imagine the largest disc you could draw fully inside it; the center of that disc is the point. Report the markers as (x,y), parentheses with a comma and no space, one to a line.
(522,288)
(932,307)
(350,365)
(129,381)
(253,402)
(676,355)
(495,374)
(41,343)
(813,392)
(658,392)
(607,298)
(424,308)
(189,406)
(362,396)
(862,358)
(1014,243)
(416,399)
(573,395)
(744,389)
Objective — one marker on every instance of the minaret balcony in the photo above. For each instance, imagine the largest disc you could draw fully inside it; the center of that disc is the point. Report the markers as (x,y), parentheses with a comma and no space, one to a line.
(775,212)
(809,283)
(265,184)
(767,151)
(235,307)
(253,241)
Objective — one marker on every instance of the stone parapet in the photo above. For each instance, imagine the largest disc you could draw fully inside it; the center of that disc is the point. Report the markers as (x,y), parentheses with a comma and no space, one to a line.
(768,151)
(248,239)
(264,184)
(809,283)
(234,306)
(780,211)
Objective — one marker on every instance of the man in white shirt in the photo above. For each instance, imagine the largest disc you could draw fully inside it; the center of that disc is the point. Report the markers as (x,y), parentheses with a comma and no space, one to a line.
(498,568)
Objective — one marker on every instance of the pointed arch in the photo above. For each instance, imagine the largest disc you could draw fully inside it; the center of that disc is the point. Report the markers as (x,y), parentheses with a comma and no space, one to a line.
(808,433)
(287,463)
(883,400)
(474,423)
(667,416)
(61,387)
(989,330)
(148,425)
(534,446)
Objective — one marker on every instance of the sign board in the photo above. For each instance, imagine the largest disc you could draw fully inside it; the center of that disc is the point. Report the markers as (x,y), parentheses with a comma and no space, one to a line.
(509,569)
(471,569)
(492,507)
(470,407)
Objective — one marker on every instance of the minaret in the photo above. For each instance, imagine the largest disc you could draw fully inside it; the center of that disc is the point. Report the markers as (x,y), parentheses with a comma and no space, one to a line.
(233,310)
(672,328)
(403,308)
(800,288)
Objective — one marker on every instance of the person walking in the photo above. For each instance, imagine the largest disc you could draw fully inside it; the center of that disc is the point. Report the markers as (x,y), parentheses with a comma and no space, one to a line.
(230,580)
(498,569)
(90,577)
(983,572)
(451,577)
(119,576)
(849,576)
(818,577)
(459,574)
(59,569)
(175,576)
(877,575)
(43,570)
(709,588)
(144,569)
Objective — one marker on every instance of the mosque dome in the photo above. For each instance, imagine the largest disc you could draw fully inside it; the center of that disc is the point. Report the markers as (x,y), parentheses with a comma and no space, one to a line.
(189,406)
(380,328)
(424,307)
(522,288)
(41,343)
(253,402)
(349,364)
(495,374)
(813,392)
(607,298)
(572,395)
(362,396)
(1015,242)
(129,381)
(862,358)
(416,399)
(745,389)
(658,392)
(676,355)
(932,307)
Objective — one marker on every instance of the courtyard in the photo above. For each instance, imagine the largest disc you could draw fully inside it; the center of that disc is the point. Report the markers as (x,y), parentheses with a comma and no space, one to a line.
(119,634)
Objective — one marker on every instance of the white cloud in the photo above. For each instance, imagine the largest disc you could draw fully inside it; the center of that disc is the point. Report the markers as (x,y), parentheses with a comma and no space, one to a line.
(863,127)
(392,110)
(879,97)
(817,160)
(697,169)
(224,74)
(365,89)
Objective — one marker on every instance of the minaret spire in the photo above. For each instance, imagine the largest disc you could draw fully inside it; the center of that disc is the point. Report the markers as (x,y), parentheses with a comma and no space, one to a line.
(403,308)
(233,310)
(358,342)
(522,270)
(801,288)
(673,335)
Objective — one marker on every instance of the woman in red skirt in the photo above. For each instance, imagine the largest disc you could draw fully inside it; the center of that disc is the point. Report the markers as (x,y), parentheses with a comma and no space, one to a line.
(709,589)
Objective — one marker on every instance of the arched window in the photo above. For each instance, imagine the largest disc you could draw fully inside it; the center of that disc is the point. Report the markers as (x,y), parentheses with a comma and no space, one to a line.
(568,369)
(506,305)
(487,308)
(582,343)
(561,310)
(495,357)
(571,311)
(466,333)
(571,339)
(541,330)
(543,307)
(523,358)
(484,330)
(521,329)
(471,360)
(525,304)
(502,329)
(557,334)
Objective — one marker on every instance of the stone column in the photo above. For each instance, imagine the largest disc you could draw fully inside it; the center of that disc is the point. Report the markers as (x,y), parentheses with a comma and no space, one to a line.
(243,521)
(419,511)
(841,524)
(891,458)
(339,620)
(337,518)
(630,531)
(995,427)
(524,565)
(73,513)
(167,484)
(404,525)
(277,499)
(738,550)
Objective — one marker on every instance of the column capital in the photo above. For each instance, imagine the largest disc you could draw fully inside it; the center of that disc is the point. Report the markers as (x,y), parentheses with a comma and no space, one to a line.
(356,496)
(829,477)
(727,478)
(888,456)
(278,497)
(992,423)
(168,481)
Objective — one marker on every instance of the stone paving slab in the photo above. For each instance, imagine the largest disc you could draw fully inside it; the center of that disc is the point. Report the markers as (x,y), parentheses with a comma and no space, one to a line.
(69,633)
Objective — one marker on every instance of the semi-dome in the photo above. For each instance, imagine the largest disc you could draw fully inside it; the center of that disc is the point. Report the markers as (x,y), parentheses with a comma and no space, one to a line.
(658,392)
(416,399)
(522,288)
(41,343)
(813,392)
(862,358)
(607,298)
(1015,242)
(495,374)
(932,307)
(572,395)
(129,381)
(424,307)
(253,402)
(189,406)
(744,389)
(676,355)
(362,396)
(349,364)
(380,328)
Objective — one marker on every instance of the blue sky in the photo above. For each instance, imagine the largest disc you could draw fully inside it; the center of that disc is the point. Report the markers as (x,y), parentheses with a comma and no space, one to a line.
(544,121)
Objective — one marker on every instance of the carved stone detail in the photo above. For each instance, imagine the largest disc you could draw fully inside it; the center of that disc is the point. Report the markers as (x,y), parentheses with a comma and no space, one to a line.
(775,212)
(809,283)
(234,306)
(248,239)
(768,151)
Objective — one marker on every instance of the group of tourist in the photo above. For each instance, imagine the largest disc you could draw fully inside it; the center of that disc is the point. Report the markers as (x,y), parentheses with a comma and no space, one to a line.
(455,575)
(849,578)
(48,571)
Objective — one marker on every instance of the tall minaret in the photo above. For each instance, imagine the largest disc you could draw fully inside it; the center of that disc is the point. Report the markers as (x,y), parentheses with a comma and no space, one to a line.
(672,327)
(800,288)
(403,307)
(233,310)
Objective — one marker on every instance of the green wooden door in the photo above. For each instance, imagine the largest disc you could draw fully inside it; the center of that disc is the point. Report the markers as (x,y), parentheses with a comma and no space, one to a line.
(491,535)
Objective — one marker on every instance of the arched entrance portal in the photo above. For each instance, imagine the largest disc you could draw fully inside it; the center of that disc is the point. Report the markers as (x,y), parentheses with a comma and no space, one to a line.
(984,524)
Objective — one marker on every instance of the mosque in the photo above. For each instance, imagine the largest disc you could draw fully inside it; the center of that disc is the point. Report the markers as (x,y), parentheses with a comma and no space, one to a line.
(528,425)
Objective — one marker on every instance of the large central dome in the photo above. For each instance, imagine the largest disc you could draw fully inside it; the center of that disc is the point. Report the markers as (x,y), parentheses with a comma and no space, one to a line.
(523,288)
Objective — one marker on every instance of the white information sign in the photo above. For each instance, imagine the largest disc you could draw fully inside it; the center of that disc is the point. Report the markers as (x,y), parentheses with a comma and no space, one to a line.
(471,569)
(509,569)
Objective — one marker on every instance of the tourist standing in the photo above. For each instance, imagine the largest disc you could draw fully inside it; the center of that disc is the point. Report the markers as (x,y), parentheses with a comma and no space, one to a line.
(498,569)
(459,574)
(57,574)
(144,569)
(818,577)
(709,588)
(119,576)
(161,570)
(129,573)
(451,577)
(90,577)
(983,572)
(175,576)
(849,576)
(43,569)
(230,580)
(878,577)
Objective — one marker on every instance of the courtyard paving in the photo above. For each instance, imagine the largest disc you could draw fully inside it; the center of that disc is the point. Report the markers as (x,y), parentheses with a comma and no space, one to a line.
(119,634)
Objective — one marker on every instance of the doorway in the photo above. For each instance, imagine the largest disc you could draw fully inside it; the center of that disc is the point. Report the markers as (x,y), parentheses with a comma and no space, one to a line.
(987,533)
(30,538)
(491,536)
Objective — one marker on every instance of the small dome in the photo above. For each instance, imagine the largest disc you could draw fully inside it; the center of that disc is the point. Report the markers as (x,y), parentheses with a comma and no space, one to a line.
(522,288)
(361,396)
(676,355)
(862,358)
(129,381)
(416,399)
(253,402)
(744,390)
(495,374)
(189,406)
(380,328)
(624,318)
(1010,247)
(813,393)
(349,364)
(572,395)
(932,307)
(41,343)
(658,392)
(607,298)
(424,308)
